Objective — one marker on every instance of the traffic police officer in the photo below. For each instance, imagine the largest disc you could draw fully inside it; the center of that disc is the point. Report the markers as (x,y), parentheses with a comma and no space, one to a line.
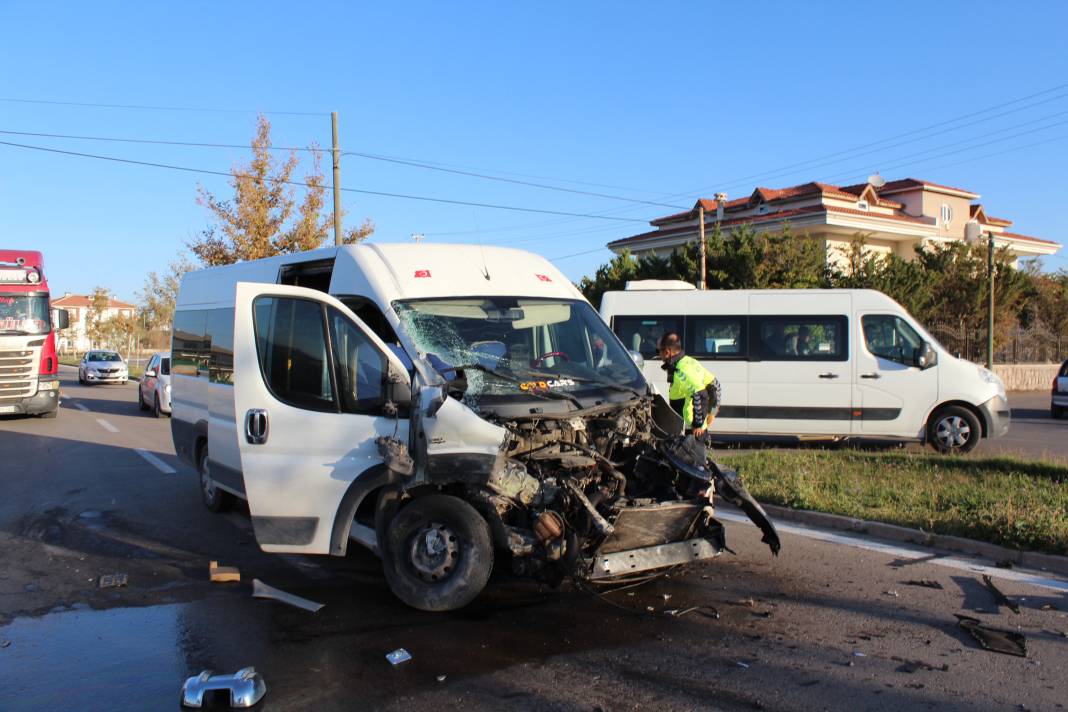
(692,386)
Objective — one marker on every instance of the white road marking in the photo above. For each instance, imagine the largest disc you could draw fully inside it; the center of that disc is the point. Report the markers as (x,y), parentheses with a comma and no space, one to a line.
(953,562)
(155,461)
(106,425)
(79,406)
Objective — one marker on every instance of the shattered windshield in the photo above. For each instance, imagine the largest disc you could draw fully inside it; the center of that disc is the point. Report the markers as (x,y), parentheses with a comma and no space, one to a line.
(24,314)
(516,345)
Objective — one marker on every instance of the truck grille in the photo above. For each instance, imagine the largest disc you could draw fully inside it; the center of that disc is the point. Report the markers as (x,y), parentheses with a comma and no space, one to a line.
(17,374)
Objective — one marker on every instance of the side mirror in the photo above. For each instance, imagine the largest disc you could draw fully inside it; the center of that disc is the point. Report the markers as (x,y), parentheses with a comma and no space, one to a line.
(150,373)
(61,318)
(637,358)
(926,356)
(399,391)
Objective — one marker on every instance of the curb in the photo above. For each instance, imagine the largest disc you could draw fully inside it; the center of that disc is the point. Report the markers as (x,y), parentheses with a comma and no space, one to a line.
(892,532)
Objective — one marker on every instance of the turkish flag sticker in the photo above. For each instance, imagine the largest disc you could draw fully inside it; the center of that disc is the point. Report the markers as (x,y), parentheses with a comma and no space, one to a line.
(543,278)
(422,274)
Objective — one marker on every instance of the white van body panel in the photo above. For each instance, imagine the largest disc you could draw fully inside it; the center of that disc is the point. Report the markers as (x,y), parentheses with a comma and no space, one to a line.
(871,396)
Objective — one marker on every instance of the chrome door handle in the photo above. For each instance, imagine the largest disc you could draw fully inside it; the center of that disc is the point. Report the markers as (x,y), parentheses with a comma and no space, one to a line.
(257,426)
(870,375)
(828,375)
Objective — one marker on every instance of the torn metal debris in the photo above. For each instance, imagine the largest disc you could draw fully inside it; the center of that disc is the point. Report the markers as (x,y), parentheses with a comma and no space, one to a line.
(113,580)
(995,640)
(246,687)
(262,590)
(1000,597)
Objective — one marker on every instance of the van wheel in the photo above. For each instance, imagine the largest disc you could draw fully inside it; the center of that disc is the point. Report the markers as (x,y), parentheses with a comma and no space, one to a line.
(214,498)
(953,429)
(1056,411)
(438,553)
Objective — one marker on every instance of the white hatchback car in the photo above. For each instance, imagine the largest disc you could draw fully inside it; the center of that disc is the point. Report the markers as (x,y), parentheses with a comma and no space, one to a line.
(154,391)
(100,366)
(1058,399)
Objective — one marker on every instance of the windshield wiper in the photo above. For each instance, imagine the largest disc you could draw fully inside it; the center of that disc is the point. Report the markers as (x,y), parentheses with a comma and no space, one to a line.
(552,395)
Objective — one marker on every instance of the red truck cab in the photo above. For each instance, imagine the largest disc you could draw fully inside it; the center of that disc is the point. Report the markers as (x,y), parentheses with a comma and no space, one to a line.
(29,368)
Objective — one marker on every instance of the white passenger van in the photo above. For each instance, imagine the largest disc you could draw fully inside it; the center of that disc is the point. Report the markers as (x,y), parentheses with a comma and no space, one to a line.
(843,363)
(443,405)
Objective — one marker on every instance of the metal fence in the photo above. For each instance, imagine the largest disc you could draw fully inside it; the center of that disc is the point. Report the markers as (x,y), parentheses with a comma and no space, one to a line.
(1034,344)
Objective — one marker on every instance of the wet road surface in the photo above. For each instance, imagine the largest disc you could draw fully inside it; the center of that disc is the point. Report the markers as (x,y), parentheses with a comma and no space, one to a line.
(823,626)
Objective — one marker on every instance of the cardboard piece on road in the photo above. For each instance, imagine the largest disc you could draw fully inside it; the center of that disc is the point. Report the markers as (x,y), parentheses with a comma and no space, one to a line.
(223,573)
(262,590)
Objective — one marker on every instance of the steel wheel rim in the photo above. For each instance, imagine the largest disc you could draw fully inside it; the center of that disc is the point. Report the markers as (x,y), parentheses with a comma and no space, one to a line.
(953,431)
(207,485)
(434,552)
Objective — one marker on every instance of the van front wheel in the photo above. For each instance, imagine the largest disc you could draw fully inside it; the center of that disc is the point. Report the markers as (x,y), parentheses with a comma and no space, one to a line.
(215,499)
(438,553)
(953,429)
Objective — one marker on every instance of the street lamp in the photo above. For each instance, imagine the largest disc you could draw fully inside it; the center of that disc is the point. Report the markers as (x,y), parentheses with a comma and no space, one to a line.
(972,235)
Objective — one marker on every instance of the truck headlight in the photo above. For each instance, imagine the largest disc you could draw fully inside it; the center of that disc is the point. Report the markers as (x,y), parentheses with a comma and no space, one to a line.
(48,385)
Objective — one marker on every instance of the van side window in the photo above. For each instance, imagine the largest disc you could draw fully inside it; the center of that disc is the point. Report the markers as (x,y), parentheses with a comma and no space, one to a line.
(220,336)
(361,367)
(371,315)
(802,338)
(189,347)
(292,347)
(890,337)
(716,337)
(640,333)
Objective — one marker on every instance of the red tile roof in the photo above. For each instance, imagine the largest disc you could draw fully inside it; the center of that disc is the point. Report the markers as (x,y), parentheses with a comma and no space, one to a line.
(906,183)
(1026,238)
(81,300)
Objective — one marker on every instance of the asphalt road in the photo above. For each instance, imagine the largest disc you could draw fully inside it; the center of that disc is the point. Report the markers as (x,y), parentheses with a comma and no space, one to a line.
(829,624)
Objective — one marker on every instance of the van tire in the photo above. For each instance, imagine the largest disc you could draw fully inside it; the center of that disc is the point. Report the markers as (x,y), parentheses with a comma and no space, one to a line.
(953,430)
(215,499)
(428,581)
(1056,411)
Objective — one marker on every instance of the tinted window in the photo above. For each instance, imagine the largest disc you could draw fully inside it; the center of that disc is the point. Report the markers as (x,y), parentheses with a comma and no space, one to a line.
(716,337)
(640,333)
(801,338)
(165,367)
(1064,369)
(292,348)
(371,315)
(189,347)
(220,342)
(360,366)
(890,337)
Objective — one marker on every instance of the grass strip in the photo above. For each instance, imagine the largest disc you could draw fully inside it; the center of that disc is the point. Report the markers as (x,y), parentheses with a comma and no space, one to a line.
(1004,501)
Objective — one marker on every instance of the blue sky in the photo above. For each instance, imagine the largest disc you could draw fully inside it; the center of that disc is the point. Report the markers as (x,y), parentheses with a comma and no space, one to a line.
(660,101)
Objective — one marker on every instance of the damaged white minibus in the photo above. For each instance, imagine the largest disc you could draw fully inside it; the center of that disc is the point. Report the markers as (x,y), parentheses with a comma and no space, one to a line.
(447,406)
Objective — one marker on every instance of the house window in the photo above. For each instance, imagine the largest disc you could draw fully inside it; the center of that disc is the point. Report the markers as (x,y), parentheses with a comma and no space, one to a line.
(762,209)
(862,205)
(947,214)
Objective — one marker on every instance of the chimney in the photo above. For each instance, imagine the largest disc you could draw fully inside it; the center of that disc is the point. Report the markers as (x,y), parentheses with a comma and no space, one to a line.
(721,198)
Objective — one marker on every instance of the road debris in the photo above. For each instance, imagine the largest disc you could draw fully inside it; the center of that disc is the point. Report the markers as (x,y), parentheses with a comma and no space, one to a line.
(747,602)
(1001,597)
(246,687)
(858,654)
(113,580)
(926,583)
(1005,564)
(995,640)
(707,611)
(262,590)
(5,643)
(911,666)
(220,574)
(400,655)
(441,678)
(1048,607)
(742,665)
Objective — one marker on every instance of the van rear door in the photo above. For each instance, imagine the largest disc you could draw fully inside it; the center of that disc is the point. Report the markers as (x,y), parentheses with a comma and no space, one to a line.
(800,372)
(310,386)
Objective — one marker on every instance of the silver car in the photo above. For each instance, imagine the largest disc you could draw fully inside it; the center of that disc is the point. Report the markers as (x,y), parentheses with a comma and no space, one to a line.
(99,366)
(154,391)
(1058,399)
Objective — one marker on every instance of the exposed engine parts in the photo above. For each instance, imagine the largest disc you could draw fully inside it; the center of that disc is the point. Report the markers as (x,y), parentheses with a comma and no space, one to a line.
(606,495)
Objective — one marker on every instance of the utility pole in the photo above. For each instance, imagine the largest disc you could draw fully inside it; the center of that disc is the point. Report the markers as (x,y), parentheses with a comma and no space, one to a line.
(990,302)
(704,248)
(337,180)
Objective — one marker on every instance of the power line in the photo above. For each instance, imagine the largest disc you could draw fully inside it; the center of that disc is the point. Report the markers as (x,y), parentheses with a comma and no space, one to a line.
(160,142)
(384,194)
(576,254)
(428,166)
(144,107)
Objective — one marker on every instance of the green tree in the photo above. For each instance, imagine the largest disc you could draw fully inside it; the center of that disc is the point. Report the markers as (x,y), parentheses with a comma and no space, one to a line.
(96,316)
(159,294)
(263,217)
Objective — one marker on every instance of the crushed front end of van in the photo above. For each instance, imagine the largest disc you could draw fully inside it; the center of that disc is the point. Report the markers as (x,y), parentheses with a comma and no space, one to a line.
(565,471)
